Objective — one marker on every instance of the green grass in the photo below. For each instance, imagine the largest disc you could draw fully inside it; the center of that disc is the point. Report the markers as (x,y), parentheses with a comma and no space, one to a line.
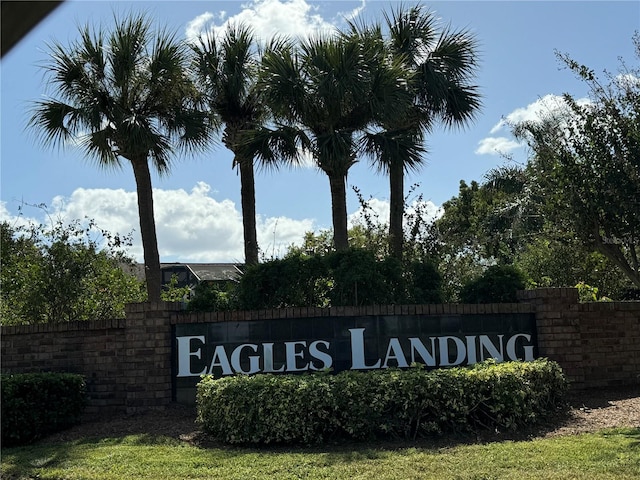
(611,454)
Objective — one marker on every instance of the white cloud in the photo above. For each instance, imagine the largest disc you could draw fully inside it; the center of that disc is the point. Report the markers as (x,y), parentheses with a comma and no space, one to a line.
(356,11)
(198,25)
(15,221)
(627,80)
(191,225)
(294,18)
(496,146)
(378,211)
(428,208)
(531,112)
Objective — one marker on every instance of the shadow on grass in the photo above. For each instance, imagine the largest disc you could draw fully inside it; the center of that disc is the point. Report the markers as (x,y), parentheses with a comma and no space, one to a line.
(28,462)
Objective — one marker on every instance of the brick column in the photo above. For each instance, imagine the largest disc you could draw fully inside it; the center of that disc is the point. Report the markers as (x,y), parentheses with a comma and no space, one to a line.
(558,328)
(147,378)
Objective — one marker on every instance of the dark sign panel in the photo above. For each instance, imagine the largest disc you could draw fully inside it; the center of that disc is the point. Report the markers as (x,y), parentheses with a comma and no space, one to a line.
(346,343)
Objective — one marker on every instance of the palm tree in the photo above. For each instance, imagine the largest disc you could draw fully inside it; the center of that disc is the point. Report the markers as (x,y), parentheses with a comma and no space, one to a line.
(331,89)
(227,70)
(125,94)
(441,64)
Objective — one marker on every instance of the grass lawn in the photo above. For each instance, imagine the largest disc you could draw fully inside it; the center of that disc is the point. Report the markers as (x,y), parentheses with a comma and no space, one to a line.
(610,454)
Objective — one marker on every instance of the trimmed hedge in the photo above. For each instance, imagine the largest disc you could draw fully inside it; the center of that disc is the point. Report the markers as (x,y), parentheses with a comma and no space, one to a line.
(37,404)
(315,408)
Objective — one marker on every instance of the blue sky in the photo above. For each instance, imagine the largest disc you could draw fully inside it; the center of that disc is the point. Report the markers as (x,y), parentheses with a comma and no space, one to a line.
(198,204)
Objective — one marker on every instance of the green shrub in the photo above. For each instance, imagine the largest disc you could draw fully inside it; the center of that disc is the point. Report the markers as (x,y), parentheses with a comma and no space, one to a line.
(213,297)
(314,408)
(297,281)
(425,283)
(358,278)
(498,284)
(351,277)
(36,404)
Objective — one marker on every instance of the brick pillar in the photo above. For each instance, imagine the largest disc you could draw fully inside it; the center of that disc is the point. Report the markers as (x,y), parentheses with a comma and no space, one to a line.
(558,328)
(147,369)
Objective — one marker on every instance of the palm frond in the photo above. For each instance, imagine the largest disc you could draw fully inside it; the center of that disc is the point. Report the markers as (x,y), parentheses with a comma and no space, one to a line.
(49,121)
(276,146)
(509,179)
(385,147)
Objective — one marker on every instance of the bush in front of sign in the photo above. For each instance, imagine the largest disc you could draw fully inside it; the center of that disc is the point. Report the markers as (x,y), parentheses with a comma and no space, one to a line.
(392,403)
(517,393)
(36,404)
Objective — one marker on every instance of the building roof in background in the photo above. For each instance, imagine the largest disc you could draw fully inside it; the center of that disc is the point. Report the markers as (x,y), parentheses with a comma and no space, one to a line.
(204,272)
(209,271)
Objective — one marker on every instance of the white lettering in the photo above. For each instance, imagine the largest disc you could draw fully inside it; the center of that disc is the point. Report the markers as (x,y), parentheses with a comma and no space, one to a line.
(220,360)
(487,344)
(418,347)
(254,361)
(443,342)
(472,357)
(324,357)
(292,356)
(267,349)
(357,351)
(528,349)
(394,351)
(185,353)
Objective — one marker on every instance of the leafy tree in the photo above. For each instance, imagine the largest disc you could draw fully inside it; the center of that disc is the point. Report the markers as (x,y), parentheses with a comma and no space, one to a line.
(492,220)
(440,64)
(62,274)
(586,162)
(227,70)
(502,221)
(552,260)
(330,89)
(125,94)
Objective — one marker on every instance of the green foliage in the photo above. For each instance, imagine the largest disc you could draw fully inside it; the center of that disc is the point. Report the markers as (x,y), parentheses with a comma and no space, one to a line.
(498,284)
(586,166)
(173,293)
(213,296)
(358,278)
(36,404)
(587,293)
(564,262)
(350,277)
(63,273)
(385,403)
(424,283)
(297,280)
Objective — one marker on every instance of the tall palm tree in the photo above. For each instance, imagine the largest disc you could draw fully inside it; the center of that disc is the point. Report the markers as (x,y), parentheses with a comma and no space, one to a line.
(331,88)
(442,64)
(227,70)
(125,94)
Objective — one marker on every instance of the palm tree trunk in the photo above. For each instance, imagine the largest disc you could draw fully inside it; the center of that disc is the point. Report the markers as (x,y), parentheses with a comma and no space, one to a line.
(248,200)
(153,274)
(396,208)
(337,182)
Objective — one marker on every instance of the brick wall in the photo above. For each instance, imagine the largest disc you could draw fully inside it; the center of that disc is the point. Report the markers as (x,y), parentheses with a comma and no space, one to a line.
(597,344)
(127,363)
